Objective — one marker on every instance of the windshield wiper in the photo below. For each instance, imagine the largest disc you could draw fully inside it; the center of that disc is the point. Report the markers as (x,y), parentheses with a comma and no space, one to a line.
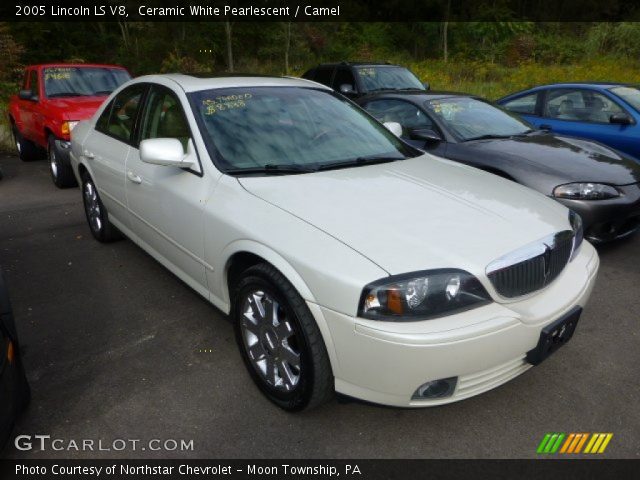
(356,162)
(271,169)
(487,137)
(102,92)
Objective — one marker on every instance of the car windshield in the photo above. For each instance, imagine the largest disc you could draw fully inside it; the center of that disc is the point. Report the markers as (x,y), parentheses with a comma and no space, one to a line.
(470,118)
(387,78)
(82,81)
(288,128)
(631,95)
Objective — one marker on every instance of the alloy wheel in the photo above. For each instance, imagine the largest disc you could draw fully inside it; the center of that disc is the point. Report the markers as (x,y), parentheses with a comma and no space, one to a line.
(92,207)
(270,341)
(53,162)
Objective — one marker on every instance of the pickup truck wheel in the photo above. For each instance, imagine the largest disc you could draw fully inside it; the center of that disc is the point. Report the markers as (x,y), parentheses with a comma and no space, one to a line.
(27,150)
(61,172)
(280,342)
(97,217)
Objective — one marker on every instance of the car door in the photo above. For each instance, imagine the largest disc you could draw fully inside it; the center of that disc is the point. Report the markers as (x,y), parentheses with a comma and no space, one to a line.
(107,146)
(582,113)
(165,203)
(29,108)
(412,118)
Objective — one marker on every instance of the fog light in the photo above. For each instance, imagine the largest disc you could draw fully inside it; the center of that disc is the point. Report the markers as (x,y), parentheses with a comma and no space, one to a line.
(437,388)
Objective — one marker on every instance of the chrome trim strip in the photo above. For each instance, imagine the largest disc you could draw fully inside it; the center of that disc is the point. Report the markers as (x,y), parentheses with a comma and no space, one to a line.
(527,252)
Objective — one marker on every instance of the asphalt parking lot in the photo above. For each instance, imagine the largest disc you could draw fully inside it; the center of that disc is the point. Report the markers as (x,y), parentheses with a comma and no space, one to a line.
(116,347)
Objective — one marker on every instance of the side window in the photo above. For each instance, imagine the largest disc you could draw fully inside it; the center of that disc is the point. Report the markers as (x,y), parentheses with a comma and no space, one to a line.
(33,82)
(323,75)
(123,112)
(103,121)
(525,104)
(580,105)
(406,114)
(599,108)
(343,77)
(164,118)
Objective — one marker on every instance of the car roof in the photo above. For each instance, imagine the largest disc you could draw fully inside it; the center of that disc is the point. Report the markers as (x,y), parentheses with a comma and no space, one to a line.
(417,95)
(193,83)
(358,64)
(593,85)
(75,65)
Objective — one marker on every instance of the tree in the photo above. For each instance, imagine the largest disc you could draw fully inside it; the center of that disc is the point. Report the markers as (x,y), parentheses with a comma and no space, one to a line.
(227,32)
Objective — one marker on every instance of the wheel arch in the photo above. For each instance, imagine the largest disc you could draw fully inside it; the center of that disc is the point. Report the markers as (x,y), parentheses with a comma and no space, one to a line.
(243,254)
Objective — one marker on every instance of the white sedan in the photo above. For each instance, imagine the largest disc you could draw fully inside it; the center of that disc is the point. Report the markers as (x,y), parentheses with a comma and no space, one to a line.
(347,260)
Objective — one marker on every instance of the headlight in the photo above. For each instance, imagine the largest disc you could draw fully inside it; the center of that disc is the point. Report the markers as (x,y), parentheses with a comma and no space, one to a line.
(585,191)
(422,295)
(68,126)
(578,232)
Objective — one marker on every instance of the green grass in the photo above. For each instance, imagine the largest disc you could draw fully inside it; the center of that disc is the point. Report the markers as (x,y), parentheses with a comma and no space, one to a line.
(494,81)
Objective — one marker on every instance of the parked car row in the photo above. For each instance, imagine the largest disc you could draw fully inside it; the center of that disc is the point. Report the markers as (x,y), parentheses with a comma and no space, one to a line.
(414,255)
(600,181)
(348,259)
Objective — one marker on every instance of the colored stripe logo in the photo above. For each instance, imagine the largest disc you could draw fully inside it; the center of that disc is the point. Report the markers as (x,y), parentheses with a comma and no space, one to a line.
(574,443)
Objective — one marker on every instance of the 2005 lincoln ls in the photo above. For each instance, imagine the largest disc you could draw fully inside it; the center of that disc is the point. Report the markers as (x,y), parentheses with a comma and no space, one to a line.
(347,260)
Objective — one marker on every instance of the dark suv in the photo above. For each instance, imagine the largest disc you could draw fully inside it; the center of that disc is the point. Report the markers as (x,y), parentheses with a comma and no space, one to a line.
(354,79)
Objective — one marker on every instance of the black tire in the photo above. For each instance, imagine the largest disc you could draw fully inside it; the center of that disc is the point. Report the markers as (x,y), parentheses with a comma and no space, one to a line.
(103,230)
(315,384)
(61,172)
(27,150)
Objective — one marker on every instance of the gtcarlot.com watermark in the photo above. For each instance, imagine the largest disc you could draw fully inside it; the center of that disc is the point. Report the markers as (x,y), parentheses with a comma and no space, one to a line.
(45,442)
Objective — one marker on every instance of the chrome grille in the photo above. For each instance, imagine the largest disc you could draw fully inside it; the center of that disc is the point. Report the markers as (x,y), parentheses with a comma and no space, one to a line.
(532,267)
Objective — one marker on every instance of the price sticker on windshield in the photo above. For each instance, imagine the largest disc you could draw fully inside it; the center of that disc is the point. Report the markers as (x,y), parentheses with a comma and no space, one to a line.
(367,72)
(58,73)
(226,102)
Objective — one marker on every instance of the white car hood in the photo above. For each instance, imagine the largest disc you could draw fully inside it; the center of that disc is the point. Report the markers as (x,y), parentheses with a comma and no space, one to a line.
(417,214)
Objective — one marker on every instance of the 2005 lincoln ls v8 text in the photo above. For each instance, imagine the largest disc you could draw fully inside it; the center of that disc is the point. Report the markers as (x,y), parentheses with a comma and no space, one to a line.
(347,259)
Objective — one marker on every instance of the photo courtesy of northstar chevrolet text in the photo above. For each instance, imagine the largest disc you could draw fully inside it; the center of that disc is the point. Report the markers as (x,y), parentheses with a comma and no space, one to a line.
(263,239)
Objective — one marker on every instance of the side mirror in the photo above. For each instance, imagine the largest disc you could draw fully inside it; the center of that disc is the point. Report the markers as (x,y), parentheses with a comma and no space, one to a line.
(394,127)
(426,85)
(27,94)
(425,134)
(347,89)
(167,152)
(620,119)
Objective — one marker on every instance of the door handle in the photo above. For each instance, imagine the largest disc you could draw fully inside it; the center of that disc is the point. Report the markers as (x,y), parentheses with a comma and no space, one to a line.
(545,126)
(88,154)
(133,177)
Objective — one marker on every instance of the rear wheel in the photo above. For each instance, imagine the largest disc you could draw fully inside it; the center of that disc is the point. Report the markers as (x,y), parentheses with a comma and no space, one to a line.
(280,342)
(27,150)
(61,172)
(97,216)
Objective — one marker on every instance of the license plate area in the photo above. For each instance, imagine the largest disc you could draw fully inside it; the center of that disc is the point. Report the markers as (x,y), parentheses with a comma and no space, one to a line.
(554,335)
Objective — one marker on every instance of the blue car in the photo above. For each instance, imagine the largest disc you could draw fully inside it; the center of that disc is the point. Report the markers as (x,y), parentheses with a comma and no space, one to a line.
(608,113)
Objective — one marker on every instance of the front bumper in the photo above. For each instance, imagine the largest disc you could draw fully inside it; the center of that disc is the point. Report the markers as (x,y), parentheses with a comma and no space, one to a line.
(386,362)
(612,219)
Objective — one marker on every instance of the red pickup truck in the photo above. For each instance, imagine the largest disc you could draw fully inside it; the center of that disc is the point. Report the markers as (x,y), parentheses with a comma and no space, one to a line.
(53,99)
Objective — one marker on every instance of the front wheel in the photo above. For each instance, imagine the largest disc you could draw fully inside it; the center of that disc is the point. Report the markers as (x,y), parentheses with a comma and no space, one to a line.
(61,172)
(280,341)
(27,150)
(97,217)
